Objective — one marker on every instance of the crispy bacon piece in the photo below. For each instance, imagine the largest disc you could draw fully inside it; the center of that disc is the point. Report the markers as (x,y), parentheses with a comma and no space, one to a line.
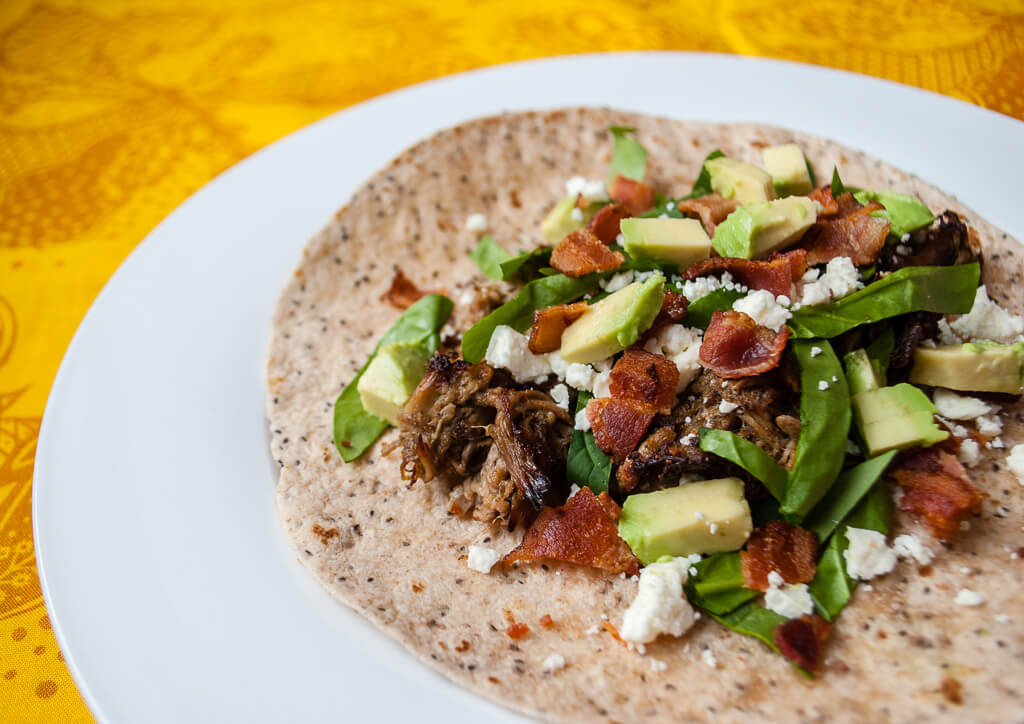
(402,293)
(776,275)
(549,323)
(782,547)
(802,640)
(645,377)
(582,531)
(635,196)
(712,210)
(824,197)
(851,231)
(583,253)
(736,346)
(605,223)
(618,424)
(936,488)
(673,309)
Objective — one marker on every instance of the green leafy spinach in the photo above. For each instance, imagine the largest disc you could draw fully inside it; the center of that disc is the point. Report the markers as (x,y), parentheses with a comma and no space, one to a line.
(748,456)
(488,256)
(587,464)
(629,158)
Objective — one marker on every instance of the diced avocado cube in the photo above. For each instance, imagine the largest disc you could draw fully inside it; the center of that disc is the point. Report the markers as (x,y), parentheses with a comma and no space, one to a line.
(756,230)
(744,182)
(860,372)
(705,517)
(788,167)
(391,377)
(895,418)
(682,241)
(561,221)
(614,323)
(976,367)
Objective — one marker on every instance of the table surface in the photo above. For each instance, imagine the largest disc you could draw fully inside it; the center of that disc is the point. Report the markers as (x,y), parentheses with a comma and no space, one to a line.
(113,113)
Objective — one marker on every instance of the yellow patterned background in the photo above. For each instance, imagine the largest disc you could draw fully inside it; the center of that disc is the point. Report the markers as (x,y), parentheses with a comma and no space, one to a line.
(112,113)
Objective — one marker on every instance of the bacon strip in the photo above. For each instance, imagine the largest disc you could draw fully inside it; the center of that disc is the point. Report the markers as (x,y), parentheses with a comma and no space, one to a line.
(673,309)
(618,424)
(776,275)
(583,253)
(582,531)
(712,210)
(851,231)
(550,323)
(824,197)
(645,377)
(936,488)
(802,640)
(605,223)
(402,293)
(635,196)
(736,346)
(782,547)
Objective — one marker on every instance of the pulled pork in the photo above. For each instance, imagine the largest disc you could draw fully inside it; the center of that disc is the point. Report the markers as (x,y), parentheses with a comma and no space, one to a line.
(510,443)
(945,242)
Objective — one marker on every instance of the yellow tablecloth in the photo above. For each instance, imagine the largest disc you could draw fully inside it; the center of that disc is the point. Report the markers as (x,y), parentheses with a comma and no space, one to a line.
(112,113)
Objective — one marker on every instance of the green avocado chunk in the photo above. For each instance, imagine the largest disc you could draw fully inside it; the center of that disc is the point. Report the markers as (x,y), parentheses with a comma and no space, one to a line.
(860,372)
(682,241)
(391,377)
(744,182)
(559,222)
(704,517)
(756,230)
(614,323)
(895,418)
(976,367)
(788,167)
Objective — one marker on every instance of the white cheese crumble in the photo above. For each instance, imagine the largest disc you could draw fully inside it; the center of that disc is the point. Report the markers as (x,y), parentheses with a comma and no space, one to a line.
(970,453)
(1015,461)
(763,308)
(823,385)
(910,546)
(657,666)
(868,555)
(840,278)
(576,215)
(554,663)
(725,407)
(791,601)
(988,321)
(589,190)
(581,422)
(602,384)
(967,597)
(946,335)
(510,350)
(617,281)
(694,289)
(476,222)
(681,345)
(660,606)
(573,489)
(958,407)
(815,351)
(1003,618)
(560,394)
(482,558)
(709,658)
(989,425)
(956,428)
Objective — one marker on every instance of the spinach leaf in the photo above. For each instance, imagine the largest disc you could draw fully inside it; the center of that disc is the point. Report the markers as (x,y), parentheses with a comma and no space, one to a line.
(518,312)
(717,586)
(748,456)
(810,173)
(698,313)
(355,429)
(702,186)
(880,352)
(824,426)
(842,497)
(904,213)
(942,289)
(525,265)
(629,158)
(587,464)
(489,256)
(832,587)
(755,620)
(837,184)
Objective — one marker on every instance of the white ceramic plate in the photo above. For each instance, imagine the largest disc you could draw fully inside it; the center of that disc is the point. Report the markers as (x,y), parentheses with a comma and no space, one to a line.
(172,592)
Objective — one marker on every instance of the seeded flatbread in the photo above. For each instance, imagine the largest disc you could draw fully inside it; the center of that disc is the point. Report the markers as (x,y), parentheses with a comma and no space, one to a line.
(902,650)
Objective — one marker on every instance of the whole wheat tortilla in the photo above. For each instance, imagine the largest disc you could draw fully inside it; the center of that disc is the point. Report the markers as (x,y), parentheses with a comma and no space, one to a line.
(902,650)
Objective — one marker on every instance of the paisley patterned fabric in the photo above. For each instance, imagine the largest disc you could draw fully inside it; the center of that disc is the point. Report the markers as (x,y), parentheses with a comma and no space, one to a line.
(112,113)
